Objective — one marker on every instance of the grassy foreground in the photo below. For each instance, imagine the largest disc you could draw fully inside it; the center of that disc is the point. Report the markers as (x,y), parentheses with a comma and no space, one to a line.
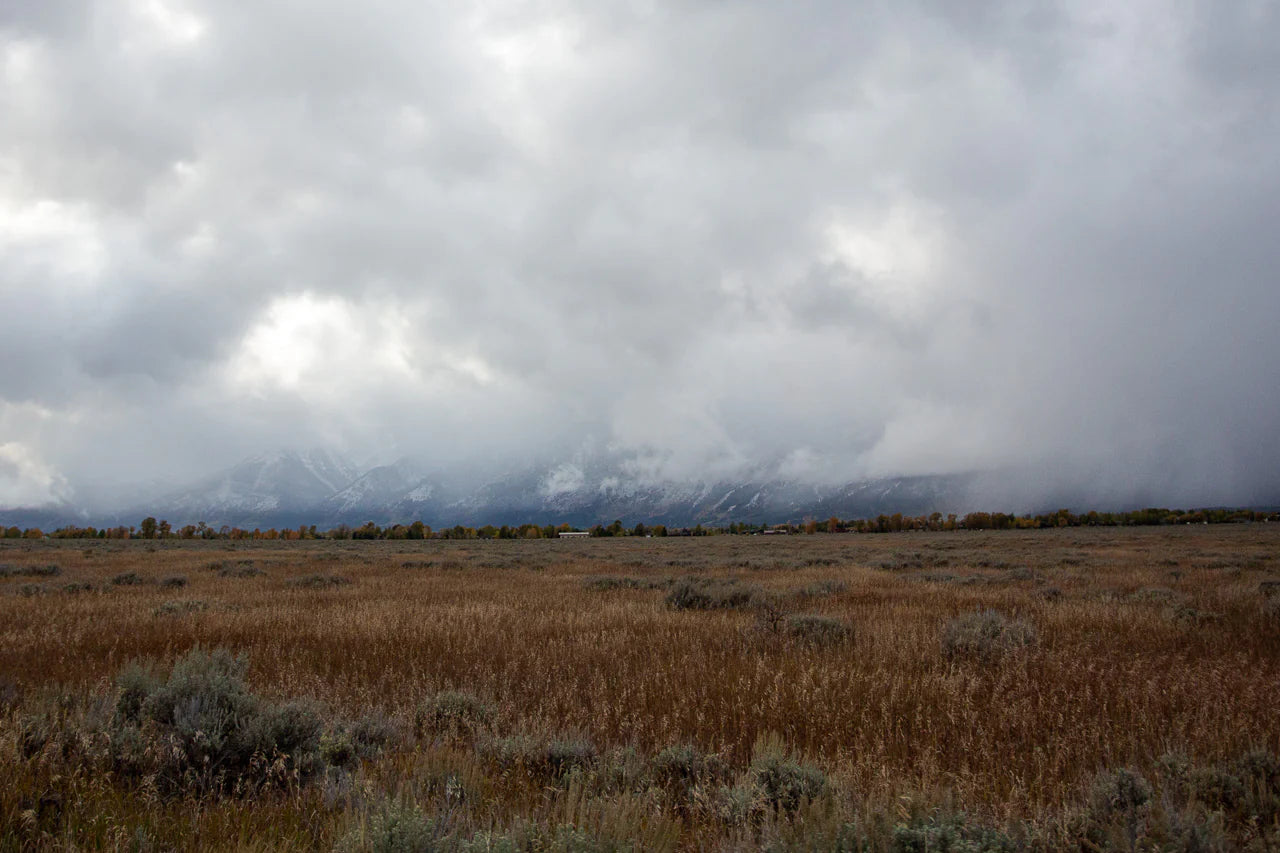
(1083,689)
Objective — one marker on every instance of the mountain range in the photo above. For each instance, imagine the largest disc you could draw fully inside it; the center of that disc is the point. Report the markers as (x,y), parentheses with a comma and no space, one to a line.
(289,487)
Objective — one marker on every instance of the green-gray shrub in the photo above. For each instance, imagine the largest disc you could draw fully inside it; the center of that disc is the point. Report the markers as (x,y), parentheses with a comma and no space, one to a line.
(782,779)
(549,758)
(396,827)
(1271,608)
(1119,803)
(564,754)
(318,581)
(452,714)
(1049,593)
(208,731)
(736,805)
(249,571)
(606,583)
(678,769)
(1259,772)
(373,733)
(134,683)
(621,770)
(10,694)
(1119,792)
(818,630)
(8,570)
(701,594)
(822,589)
(364,737)
(180,608)
(985,635)
(338,749)
(950,834)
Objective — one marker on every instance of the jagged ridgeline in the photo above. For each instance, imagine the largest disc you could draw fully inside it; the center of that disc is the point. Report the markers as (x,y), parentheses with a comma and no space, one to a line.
(318,487)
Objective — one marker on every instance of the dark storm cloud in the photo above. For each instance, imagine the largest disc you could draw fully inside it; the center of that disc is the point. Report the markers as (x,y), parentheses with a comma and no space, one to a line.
(862,239)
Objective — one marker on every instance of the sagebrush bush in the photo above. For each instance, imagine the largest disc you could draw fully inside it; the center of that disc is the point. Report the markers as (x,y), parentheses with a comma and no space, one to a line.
(902,562)
(563,754)
(242,572)
(453,714)
(8,570)
(985,635)
(10,695)
(180,608)
(682,767)
(235,568)
(548,758)
(822,589)
(621,770)
(782,779)
(217,734)
(363,738)
(1259,772)
(951,834)
(1271,609)
(735,805)
(605,583)
(338,749)
(373,733)
(198,728)
(128,579)
(1119,803)
(1247,790)
(173,582)
(1216,787)
(396,827)
(1190,617)
(134,684)
(318,581)
(818,630)
(1156,594)
(1049,593)
(703,594)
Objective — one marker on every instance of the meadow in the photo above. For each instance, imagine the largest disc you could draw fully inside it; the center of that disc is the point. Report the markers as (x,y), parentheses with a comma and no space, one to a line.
(1077,689)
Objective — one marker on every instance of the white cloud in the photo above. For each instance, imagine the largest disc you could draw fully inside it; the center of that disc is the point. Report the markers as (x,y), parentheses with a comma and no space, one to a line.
(711,236)
(169,22)
(26,480)
(564,478)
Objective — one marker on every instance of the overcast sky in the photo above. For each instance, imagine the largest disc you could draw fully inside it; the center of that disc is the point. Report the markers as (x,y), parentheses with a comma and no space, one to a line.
(862,238)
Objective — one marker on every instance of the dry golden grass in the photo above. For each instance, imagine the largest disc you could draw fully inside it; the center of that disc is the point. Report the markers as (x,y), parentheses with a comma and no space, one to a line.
(1150,640)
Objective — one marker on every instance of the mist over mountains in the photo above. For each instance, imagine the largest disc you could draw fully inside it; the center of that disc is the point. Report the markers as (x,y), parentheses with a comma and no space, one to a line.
(318,486)
(321,487)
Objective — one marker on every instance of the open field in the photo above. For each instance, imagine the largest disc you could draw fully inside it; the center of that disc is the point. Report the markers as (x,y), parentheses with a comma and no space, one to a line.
(528,694)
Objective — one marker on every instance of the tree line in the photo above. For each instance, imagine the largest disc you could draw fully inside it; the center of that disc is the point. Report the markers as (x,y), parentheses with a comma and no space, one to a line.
(151,528)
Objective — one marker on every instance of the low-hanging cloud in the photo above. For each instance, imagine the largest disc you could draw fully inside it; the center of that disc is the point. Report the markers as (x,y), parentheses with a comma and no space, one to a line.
(845,240)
